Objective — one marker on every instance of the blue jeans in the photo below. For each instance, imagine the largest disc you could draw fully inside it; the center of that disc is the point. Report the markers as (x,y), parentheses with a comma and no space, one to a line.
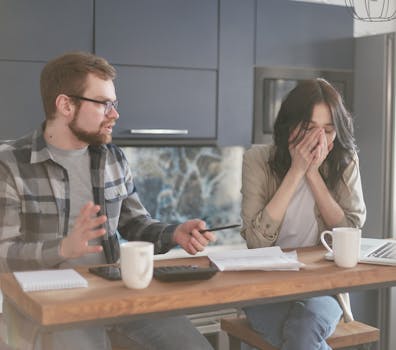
(296,325)
(170,333)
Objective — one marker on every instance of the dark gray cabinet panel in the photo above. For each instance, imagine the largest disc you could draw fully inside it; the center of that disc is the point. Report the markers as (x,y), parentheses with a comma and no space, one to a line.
(20,101)
(162,98)
(171,33)
(236,53)
(372,126)
(41,29)
(300,34)
(183,64)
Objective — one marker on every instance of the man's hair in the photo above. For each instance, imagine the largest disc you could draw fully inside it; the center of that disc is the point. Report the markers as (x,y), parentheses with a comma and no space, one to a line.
(67,75)
(297,108)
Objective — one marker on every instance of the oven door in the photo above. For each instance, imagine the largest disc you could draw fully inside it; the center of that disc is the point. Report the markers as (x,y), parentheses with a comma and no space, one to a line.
(272,84)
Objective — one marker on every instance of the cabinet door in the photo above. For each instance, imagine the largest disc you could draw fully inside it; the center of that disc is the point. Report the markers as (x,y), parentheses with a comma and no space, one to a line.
(41,29)
(161,98)
(298,34)
(170,33)
(20,101)
(236,50)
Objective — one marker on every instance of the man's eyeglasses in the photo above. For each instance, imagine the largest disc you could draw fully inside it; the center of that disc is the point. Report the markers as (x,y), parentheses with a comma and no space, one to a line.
(108,104)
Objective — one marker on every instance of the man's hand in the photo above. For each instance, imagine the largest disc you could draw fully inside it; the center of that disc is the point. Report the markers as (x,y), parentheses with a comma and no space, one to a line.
(187,235)
(85,228)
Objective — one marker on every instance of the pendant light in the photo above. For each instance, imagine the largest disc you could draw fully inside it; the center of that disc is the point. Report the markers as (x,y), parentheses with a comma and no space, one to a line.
(372,10)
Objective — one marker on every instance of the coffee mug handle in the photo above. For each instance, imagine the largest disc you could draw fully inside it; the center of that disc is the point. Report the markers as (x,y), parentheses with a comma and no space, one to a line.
(146,266)
(322,238)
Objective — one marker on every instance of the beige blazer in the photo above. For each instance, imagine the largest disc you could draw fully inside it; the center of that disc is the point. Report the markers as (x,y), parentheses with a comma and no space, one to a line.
(259,185)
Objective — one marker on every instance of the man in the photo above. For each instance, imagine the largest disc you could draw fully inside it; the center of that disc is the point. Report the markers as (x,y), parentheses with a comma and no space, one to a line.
(65,191)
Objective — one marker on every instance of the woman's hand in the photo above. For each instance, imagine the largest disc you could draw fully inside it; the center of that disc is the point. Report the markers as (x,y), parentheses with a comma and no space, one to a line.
(304,152)
(320,153)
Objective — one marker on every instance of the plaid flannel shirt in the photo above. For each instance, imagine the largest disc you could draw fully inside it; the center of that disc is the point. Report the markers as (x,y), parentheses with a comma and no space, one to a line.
(35,204)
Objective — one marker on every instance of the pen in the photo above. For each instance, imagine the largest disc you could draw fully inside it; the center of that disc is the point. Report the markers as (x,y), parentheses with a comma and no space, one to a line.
(219,228)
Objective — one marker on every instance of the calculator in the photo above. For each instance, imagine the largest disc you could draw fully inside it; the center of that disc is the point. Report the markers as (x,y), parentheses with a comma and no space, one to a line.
(184,273)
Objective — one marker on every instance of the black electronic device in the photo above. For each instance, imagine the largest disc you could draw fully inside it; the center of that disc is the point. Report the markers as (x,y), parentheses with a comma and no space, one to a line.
(184,273)
(109,272)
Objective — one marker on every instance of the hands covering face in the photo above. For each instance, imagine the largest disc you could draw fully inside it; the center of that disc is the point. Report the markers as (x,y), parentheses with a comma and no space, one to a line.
(310,152)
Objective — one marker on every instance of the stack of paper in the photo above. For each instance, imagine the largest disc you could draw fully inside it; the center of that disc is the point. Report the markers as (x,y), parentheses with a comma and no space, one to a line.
(269,258)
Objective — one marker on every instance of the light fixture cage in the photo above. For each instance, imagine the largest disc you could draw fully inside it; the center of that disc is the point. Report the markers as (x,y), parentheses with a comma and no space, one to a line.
(372,10)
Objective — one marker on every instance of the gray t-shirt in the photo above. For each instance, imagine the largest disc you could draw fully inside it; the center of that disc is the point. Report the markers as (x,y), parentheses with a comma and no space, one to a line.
(77,165)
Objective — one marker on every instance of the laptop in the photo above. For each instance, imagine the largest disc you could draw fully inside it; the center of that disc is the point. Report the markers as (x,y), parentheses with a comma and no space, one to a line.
(375,251)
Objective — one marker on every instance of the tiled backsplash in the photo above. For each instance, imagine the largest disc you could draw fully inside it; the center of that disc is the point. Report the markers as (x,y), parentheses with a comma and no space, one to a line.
(180,183)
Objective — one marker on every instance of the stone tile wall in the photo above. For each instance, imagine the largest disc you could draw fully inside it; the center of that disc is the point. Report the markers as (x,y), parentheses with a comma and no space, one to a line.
(180,183)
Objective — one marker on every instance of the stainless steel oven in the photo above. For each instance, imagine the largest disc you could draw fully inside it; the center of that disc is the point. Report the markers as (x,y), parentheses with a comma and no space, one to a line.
(273,83)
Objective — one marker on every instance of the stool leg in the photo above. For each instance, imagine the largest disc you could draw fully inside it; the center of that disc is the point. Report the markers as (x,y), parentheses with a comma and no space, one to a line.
(368,346)
(235,343)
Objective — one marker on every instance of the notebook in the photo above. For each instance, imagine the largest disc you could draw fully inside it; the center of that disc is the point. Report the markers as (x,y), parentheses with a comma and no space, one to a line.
(50,279)
(375,251)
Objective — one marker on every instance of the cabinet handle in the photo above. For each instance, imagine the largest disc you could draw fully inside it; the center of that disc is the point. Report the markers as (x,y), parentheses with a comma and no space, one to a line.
(159,131)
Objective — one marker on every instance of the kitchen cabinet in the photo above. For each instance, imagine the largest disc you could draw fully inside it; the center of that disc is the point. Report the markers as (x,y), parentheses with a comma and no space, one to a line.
(158,98)
(295,34)
(182,64)
(166,55)
(31,33)
(20,99)
(236,59)
(42,29)
(166,33)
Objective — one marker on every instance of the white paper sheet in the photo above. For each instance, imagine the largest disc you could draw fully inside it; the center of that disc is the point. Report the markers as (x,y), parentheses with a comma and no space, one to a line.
(269,258)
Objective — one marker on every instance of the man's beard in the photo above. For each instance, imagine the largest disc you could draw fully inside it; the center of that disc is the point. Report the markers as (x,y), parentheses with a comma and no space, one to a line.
(91,138)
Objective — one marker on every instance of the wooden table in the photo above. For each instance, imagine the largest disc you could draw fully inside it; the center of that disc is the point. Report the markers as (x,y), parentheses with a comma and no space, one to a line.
(106,301)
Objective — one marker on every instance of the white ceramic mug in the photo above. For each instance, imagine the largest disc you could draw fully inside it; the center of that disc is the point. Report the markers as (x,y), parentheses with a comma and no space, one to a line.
(136,261)
(346,245)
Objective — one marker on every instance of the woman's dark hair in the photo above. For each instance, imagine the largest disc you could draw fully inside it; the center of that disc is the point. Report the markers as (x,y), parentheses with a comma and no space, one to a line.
(298,108)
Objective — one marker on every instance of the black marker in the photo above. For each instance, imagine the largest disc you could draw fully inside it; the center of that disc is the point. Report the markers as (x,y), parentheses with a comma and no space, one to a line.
(219,228)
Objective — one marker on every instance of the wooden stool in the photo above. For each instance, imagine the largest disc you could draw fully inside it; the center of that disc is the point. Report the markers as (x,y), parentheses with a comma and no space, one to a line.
(346,334)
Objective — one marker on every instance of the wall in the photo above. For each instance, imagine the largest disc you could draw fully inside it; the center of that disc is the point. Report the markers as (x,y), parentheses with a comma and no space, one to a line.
(365,28)
(362,28)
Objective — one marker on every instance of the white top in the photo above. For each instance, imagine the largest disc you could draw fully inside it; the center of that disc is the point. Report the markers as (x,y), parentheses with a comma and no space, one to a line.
(299,227)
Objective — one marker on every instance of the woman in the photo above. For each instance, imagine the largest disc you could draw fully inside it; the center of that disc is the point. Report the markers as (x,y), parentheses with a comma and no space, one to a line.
(308,181)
